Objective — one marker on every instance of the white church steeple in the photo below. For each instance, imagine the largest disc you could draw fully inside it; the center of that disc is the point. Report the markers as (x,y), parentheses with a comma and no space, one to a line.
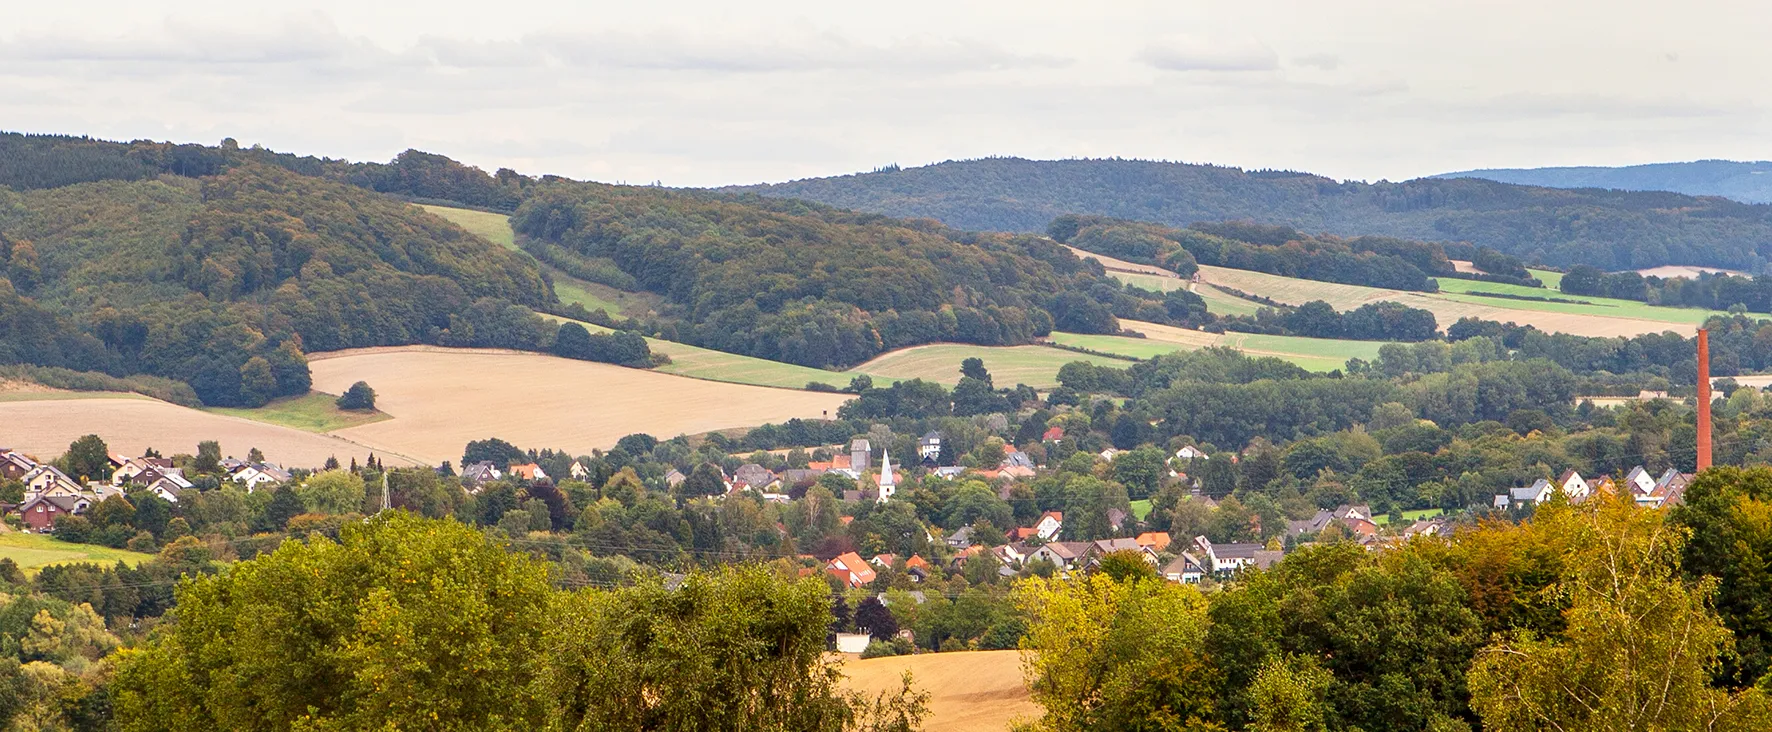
(888,484)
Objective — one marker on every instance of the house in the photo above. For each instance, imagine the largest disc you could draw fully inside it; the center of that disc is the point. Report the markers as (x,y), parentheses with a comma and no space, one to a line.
(1356,519)
(260,475)
(1117,518)
(14,465)
(42,512)
(578,471)
(1573,486)
(1109,546)
(480,474)
(1226,559)
(1022,533)
(1639,481)
(883,560)
(850,569)
(133,467)
(1066,554)
(860,456)
(1190,452)
(852,642)
(228,465)
(753,475)
(1016,459)
(168,488)
(917,564)
(1109,454)
(1156,541)
(1426,527)
(675,478)
(929,446)
(961,538)
(1669,490)
(1185,569)
(47,480)
(1050,523)
(1540,491)
(888,482)
(1052,434)
(528,472)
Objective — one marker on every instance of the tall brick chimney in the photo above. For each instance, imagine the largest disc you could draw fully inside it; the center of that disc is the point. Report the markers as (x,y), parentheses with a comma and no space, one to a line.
(1703,399)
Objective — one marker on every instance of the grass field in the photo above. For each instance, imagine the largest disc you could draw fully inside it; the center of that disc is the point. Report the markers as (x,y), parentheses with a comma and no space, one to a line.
(493,227)
(313,412)
(442,398)
(1315,354)
(1551,280)
(1036,366)
(131,426)
(35,551)
(969,691)
(1588,320)
(1410,516)
(1461,290)
(706,363)
(1141,509)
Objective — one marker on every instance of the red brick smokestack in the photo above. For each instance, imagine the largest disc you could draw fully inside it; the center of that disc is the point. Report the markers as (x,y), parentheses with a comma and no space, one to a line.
(1703,399)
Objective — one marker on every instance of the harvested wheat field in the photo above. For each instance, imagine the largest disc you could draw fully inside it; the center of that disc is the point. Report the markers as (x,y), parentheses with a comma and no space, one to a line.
(1447,309)
(1670,271)
(130,424)
(969,691)
(442,398)
(1036,366)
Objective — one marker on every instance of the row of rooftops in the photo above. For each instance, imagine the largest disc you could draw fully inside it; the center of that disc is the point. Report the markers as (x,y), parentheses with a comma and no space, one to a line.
(51,493)
(1645,488)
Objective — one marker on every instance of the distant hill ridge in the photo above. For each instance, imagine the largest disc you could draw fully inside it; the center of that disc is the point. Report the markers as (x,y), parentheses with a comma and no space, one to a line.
(1610,229)
(1749,182)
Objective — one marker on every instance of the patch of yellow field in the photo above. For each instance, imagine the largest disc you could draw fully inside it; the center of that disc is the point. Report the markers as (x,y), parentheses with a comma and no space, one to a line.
(442,398)
(133,424)
(969,691)
(1123,265)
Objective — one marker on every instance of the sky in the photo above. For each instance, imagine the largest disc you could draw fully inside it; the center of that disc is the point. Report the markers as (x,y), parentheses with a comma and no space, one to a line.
(705,92)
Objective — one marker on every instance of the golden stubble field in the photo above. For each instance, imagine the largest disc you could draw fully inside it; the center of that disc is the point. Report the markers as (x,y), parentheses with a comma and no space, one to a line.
(130,425)
(1446,311)
(969,691)
(442,398)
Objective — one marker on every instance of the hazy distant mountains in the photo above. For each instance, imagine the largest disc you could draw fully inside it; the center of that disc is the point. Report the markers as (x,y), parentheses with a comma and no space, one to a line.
(1748,182)
(1606,228)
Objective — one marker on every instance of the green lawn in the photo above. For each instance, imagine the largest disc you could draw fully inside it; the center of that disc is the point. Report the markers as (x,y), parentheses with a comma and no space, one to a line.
(1460,291)
(35,551)
(1551,280)
(706,363)
(1410,516)
(311,412)
(492,227)
(1036,366)
(1315,354)
(1141,509)
(1218,302)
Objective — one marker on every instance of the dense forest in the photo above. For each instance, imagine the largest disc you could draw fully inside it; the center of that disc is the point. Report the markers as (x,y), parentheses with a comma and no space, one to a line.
(808,284)
(1743,181)
(1613,230)
(1282,250)
(225,281)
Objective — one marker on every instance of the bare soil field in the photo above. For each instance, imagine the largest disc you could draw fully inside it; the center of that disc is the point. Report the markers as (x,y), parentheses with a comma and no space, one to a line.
(1464,266)
(442,398)
(130,424)
(1669,271)
(969,691)
(1447,311)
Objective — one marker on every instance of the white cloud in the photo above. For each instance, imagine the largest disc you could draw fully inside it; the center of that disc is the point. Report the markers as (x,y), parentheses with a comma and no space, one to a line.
(1208,53)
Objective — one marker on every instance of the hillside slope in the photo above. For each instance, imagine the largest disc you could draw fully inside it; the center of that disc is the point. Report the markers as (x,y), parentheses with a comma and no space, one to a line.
(1608,229)
(224,281)
(1748,182)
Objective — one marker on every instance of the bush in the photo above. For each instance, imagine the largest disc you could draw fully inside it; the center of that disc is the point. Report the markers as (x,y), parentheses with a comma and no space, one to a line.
(358,397)
(894,647)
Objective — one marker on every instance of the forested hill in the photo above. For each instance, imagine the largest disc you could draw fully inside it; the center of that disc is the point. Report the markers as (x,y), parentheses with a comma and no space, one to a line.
(1608,229)
(809,284)
(224,280)
(1746,182)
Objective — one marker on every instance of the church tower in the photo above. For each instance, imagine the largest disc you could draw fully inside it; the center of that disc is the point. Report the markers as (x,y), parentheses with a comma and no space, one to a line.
(888,484)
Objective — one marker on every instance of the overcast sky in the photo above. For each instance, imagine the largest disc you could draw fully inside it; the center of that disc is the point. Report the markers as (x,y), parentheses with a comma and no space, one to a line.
(708,92)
